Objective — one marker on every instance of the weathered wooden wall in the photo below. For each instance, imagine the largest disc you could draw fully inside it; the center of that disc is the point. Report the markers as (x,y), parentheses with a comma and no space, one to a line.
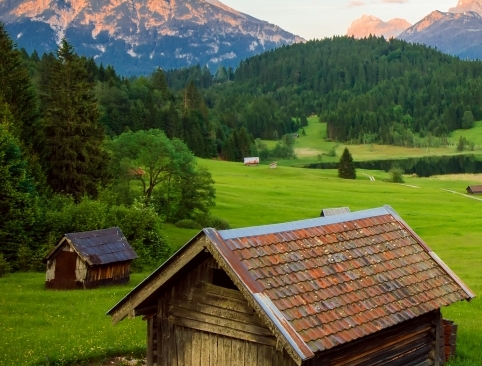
(68,271)
(199,323)
(413,342)
(107,274)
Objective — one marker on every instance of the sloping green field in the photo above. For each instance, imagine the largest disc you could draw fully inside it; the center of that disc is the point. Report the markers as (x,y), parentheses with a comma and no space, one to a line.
(309,147)
(38,325)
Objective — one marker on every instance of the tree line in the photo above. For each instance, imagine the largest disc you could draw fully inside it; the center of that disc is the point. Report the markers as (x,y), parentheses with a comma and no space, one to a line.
(76,156)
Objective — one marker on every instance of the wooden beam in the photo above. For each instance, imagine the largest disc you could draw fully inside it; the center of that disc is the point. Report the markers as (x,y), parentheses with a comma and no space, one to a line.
(217,311)
(439,337)
(210,319)
(157,279)
(222,330)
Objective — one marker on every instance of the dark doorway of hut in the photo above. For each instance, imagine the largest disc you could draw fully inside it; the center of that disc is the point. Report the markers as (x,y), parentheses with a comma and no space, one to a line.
(65,270)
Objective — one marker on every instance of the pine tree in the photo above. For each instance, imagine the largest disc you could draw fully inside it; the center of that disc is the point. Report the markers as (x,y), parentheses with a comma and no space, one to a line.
(74,157)
(17,92)
(346,167)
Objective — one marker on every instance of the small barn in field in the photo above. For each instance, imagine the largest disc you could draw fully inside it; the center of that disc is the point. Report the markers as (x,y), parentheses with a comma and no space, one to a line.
(357,288)
(89,259)
(474,189)
(334,211)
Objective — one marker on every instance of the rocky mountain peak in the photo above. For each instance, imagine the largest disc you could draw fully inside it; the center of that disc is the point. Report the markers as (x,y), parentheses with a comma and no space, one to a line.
(467,5)
(370,24)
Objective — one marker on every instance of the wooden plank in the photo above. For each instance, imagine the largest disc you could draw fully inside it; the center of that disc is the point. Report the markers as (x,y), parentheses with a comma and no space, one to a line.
(438,338)
(218,312)
(250,353)
(196,348)
(210,319)
(146,311)
(187,341)
(174,347)
(150,335)
(237,352)
(160,277)
(159,334)
(205,349)
(227,350)
(213,349)
(222,330)
(223,302)
(221,356)
(264,356)
(164,332)
(222,291)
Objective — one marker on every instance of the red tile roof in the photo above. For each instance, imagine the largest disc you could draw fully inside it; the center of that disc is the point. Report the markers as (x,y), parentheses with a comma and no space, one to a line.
(327,281)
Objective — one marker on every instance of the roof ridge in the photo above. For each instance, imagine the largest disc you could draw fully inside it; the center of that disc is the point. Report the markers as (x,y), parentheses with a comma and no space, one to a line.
(303,224)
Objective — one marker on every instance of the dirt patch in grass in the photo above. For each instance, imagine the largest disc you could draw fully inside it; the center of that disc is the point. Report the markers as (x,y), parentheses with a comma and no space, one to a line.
(306,152)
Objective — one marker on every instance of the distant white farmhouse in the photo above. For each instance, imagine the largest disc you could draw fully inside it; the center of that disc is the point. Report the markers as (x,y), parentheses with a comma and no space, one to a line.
(251,161)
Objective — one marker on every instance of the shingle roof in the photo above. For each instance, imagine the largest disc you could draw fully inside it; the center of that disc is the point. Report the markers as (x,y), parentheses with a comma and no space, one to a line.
(475,189)
(330,280)
(100,246)
(326,281)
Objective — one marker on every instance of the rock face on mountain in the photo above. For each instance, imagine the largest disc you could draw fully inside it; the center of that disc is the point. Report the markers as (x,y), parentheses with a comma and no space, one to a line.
(455,33)
(369,24)
(138,36)
(467,5)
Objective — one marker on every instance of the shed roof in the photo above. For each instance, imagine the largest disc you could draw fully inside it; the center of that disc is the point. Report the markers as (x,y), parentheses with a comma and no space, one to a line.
(99,246)
(327,281)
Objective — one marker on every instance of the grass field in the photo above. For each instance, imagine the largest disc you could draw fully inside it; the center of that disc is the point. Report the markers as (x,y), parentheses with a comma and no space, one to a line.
(309,147)
(39,327)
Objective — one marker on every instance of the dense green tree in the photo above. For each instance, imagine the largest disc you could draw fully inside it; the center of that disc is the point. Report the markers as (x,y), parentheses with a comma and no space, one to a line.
(468,120)
(163,171)
(346,166)
(74,157)
(18,198)
(17,92)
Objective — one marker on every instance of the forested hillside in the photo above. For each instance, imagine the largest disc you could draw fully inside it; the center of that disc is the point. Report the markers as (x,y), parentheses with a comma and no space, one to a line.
(368,90)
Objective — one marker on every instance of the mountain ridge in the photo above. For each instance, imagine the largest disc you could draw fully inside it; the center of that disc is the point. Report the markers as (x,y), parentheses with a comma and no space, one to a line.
(138,36)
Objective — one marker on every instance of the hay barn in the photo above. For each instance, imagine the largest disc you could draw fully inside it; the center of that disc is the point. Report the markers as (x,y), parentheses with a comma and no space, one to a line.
(357,288)
(89,259)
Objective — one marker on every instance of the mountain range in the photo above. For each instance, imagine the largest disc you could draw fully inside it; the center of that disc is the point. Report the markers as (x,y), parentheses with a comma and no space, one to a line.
(138,36)
(456,32)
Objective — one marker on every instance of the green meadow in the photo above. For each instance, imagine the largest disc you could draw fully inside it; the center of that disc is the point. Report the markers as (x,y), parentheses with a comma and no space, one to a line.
(314,147)
(39,327)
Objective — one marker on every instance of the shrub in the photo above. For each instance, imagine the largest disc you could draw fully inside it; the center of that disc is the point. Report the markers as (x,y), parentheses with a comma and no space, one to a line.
(4,266)
(396,175)
(220,224)
(24,259)
(188,224)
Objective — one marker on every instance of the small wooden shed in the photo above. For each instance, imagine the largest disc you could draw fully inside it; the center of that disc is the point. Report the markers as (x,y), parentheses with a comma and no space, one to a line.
(474,189)
(334,211)
(358,288)
(89,259)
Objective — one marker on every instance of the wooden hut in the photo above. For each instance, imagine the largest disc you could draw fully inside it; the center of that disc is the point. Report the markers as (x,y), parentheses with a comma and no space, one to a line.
(89,259)
(359,288)
(474,189)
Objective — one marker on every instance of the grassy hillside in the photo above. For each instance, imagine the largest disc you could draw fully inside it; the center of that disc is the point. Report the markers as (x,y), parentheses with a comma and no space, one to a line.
(65,326)
(308,148)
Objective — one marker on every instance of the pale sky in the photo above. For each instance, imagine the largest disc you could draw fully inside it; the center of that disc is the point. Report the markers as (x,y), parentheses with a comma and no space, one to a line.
(317,19)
